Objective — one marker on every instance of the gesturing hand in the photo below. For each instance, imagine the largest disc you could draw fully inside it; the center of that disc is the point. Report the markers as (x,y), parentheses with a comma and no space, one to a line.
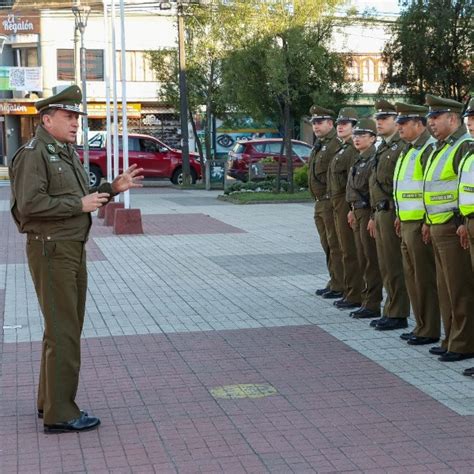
(128,179)
(93,201)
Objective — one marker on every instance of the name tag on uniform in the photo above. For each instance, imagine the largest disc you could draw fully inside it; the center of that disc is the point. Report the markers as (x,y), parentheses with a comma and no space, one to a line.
(54,158)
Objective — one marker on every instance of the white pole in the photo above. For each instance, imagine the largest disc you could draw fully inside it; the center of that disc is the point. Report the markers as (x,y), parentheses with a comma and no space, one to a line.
(114,83)
(107,55)
(124,100)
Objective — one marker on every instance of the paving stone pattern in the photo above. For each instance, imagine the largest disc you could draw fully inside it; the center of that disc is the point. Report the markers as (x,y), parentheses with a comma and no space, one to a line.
(215,295)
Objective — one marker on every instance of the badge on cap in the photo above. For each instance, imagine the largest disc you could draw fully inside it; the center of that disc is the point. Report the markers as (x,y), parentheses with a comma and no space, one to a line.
(51,148)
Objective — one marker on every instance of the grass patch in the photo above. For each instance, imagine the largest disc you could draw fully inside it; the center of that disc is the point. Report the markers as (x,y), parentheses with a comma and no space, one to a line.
(266,197)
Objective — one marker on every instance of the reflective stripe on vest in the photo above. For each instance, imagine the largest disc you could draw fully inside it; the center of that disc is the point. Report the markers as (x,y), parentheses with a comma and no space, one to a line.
(466,185)
(440,185)
(408,184)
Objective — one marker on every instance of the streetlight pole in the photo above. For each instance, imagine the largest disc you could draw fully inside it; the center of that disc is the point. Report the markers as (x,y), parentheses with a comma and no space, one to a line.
(183,97)
(81,15)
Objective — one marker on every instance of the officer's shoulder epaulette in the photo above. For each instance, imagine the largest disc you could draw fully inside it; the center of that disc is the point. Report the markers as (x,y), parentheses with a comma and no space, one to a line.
(31,145)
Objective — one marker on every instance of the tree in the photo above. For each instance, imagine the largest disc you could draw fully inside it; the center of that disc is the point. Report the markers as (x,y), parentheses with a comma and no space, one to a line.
(431,50)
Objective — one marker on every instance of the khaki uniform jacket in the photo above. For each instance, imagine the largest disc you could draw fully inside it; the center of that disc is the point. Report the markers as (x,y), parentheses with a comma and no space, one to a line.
(339,168)
(48,182)
(318,165)
(358,180)
(381,181)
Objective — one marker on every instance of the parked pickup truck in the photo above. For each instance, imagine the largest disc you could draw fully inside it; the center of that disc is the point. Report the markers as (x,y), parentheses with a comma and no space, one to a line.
(157,159)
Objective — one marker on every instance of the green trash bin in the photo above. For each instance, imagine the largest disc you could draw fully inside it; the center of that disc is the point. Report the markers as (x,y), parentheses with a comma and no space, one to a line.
(216,171)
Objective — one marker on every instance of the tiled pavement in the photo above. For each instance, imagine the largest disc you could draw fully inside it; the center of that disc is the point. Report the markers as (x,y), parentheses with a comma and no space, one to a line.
(215,295)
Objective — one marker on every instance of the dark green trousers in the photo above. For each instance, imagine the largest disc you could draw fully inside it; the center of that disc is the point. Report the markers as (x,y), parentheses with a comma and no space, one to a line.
(59,274)
(420,277)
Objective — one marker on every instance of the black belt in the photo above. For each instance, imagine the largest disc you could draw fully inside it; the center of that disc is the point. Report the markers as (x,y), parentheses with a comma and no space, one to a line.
(359,205)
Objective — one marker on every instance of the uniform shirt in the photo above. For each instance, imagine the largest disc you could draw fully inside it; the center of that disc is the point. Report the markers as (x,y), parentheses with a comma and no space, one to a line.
(339,168)
(358,179)
(318,165)
(48,182)
(381,180)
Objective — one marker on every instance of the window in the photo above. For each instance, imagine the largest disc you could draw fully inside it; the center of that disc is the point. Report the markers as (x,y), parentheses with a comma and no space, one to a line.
(133,144)
(138,67)
(148,146)
(94,64)
(301,150)
(259,147)
(275,148)
(353,71)
(368,70)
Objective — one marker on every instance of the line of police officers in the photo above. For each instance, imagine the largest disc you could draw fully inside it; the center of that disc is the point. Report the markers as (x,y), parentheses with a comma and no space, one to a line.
(399,216)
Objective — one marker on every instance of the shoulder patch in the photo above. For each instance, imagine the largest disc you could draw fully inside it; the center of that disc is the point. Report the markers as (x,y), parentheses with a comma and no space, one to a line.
(31,145)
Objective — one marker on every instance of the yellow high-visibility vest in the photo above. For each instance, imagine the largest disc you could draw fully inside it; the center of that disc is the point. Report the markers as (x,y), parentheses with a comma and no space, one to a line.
(466,185)
(408,184)
(440,184)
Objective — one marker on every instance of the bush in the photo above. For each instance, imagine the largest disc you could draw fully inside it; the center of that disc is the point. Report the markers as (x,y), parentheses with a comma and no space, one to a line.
(301,176)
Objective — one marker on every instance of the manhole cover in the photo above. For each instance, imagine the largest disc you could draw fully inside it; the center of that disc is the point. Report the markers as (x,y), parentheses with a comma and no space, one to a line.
(246,390)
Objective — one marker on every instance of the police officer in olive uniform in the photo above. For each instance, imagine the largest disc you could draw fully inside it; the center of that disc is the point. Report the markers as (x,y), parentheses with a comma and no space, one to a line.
(418,257)
(326,146)
(466,197)
(357,195)
(397,305)
(440,196)
(338,170)
(51,204)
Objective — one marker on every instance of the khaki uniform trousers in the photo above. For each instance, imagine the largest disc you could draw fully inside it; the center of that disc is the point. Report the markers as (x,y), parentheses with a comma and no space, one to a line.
(456,288)
(59,273)
(324,220)
(470,231)
(420,278)
(353,284)
(367,255)
(397,304)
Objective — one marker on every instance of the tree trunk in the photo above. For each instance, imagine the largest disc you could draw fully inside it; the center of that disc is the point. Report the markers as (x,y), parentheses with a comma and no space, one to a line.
(288,148)
(198,143)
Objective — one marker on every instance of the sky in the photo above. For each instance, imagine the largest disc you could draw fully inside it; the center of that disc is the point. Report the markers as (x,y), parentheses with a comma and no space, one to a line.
(382,6)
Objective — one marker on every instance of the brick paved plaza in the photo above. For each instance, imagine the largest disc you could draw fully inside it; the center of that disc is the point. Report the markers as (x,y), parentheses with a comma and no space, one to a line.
(205,350)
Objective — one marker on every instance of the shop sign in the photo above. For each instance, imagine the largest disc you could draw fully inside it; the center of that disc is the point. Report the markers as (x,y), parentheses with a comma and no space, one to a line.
(19,23)
(151,120)
(17,108)
(20,78)
(100,111)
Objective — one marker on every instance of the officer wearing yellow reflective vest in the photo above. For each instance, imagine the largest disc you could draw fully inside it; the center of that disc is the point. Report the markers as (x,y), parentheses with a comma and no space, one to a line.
(440,197)
(397,304)
(418,257)
(466,197)
(324,150)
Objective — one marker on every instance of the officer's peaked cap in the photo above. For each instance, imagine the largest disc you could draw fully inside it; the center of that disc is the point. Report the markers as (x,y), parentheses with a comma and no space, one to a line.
(470,109)
(439,105)
(365,125)
(68,99)
(410,111)
(348,114)
(384,108)
(320,113)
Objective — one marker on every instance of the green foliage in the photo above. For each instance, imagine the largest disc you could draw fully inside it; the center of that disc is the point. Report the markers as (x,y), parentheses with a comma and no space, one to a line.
(301,176)
(431,49)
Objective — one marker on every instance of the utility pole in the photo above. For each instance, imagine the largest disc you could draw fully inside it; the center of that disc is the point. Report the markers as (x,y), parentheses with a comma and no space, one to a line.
(183,97)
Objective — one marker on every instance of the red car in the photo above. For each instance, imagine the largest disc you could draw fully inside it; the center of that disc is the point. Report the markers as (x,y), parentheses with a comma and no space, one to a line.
(245,152)
(157,159)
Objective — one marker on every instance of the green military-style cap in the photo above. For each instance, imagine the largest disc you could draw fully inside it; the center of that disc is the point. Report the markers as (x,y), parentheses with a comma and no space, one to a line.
(347,114)
(69,99)
(470,109)
(439,105)
(384,108)
(320,113)
(365,125)
(409,111)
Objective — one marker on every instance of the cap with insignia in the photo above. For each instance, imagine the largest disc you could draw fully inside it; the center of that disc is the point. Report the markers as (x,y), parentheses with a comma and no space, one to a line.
(347,114)
(439,105)
(470,109)
(383,108)
(68,99)
(320,113)
(409,111)
(365,125)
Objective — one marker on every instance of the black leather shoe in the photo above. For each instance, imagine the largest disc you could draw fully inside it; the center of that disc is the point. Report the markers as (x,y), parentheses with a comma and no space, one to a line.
(421,341)
(83,423)
(40,413)
(376,321)
(344,304)
(437,350)
(469,372)
(330,295)
(392,323)
(321,291)
(455,356)
(364,313)
(407,335)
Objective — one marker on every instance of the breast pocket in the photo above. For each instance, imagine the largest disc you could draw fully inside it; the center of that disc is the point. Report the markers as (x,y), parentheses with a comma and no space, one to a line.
(62,179)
